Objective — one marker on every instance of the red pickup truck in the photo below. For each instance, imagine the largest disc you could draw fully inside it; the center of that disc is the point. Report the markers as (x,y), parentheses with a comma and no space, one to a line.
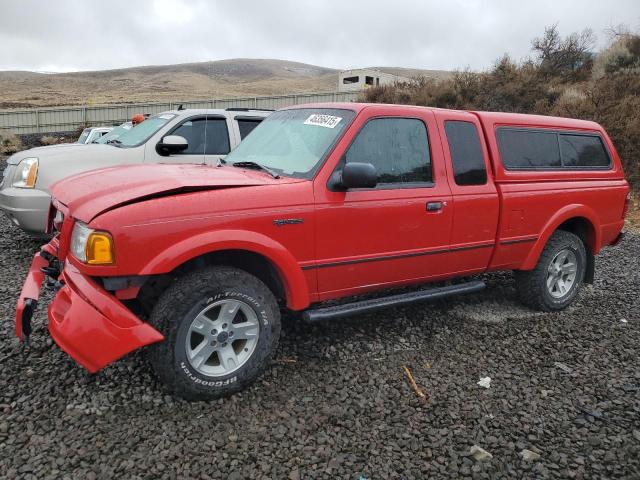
(320,202)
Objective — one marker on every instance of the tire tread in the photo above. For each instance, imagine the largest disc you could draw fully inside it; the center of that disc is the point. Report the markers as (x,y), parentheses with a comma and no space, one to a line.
(174,304)
(530,283)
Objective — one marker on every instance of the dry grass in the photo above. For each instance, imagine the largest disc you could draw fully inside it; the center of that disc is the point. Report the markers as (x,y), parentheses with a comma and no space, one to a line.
(49,140)
(609,96)
(9,144)
(632,223)
(225,78)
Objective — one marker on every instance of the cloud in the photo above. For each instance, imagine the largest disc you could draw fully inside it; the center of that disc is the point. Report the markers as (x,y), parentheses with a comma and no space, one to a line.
(79,35)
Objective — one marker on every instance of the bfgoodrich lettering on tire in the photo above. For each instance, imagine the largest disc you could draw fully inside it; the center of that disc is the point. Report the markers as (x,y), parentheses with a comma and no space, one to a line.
(221,327)
(556,280)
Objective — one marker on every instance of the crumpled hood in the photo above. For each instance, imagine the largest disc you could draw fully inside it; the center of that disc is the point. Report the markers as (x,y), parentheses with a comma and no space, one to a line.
(89,194)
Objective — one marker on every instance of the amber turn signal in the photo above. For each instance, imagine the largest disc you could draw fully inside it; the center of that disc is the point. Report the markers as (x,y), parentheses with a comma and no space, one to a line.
(99,249)
(32,175)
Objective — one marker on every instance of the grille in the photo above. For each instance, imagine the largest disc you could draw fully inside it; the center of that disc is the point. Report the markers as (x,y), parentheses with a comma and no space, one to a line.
(6,173)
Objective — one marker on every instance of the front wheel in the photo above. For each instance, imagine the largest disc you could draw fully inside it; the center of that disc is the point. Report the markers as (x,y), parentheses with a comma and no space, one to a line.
(556,280)
(221,327)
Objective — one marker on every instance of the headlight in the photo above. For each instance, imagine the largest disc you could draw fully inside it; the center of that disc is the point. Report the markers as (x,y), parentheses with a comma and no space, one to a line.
(26,173)
(91,246)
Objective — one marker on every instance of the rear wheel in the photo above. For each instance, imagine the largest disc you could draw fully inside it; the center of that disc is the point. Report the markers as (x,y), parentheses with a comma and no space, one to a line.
(221,327)
(556,280)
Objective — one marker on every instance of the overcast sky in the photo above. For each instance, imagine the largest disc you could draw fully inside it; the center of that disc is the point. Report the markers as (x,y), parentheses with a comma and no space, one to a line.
(69,35)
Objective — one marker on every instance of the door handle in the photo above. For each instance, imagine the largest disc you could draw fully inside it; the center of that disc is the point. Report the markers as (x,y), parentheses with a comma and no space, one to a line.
(435,206)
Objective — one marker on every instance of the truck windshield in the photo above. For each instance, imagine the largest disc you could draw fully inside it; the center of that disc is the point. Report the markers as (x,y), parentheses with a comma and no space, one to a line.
(115,133)
(293,142)
(143,131)
(84,135)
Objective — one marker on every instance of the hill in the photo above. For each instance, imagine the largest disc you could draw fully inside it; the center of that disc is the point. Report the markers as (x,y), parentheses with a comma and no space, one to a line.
(219,79)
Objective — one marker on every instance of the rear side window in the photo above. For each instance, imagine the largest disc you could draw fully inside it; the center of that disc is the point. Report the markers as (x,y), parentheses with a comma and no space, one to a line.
(246,126)
(397,147)
(466,153)
(583,151)
(217,141)
(528,149)
(522,149)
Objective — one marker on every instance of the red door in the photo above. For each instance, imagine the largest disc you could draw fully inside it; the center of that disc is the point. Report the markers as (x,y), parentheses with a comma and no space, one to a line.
(397,232)
(475,205)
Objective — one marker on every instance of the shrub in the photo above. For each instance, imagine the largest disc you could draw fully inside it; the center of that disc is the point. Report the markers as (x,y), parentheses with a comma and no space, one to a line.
(605,89)
(623,55)
(569,57)
(49,140)
(9,144)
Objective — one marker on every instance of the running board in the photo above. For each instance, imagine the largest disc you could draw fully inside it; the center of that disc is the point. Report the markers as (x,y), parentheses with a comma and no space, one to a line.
(367,306)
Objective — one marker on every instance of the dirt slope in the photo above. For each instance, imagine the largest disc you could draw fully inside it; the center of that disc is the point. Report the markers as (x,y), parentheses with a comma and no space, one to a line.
(223,78)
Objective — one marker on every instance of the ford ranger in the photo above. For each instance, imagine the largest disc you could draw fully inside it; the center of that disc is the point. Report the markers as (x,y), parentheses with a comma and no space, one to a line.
(320,202)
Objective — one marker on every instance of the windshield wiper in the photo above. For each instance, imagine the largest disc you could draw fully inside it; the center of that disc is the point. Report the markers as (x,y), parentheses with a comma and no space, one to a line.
(114,141)
(256,166)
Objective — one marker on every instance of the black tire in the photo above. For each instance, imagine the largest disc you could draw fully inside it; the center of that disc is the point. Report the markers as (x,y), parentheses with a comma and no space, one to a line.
(178,307)
(532,285)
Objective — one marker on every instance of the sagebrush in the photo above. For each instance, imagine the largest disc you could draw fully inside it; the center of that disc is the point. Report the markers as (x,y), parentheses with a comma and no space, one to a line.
(9,144)
(603,87)
(51,140)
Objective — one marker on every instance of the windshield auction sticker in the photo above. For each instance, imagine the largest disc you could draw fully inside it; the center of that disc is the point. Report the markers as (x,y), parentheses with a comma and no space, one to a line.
(327,121)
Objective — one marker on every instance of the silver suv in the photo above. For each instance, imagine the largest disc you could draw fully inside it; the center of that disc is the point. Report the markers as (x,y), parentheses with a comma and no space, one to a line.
(176,136)
(92,134)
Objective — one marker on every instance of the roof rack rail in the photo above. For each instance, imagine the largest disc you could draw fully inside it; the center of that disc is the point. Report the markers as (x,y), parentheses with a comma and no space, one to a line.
(245,109)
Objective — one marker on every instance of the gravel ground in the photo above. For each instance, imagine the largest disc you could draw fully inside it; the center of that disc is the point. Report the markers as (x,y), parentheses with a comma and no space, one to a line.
(336,403)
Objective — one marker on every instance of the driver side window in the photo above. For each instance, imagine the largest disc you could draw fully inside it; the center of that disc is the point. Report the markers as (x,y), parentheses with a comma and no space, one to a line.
(397,147)
(194,131)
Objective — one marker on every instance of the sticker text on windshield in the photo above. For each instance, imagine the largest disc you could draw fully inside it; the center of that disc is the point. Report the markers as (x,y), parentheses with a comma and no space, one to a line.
(327,121)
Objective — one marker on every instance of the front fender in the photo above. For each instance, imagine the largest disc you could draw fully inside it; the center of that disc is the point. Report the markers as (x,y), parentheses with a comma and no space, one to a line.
(566,213)
(295,284)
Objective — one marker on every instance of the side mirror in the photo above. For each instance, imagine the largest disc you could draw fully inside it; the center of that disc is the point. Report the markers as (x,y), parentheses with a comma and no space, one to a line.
(171,144)
(354,175)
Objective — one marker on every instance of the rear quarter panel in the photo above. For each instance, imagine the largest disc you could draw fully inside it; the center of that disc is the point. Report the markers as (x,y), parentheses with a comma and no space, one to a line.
(535,202)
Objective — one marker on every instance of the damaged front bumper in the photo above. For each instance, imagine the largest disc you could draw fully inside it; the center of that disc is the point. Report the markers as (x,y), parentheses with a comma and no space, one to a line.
(85,320)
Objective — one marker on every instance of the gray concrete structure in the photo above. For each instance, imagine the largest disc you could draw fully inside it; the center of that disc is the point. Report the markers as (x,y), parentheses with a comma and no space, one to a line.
(363,78)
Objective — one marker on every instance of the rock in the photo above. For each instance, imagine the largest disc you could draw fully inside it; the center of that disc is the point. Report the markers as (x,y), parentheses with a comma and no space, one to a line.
(529,456)
(333,412)
(485,382)
(593,412)
(563,367)
(479,453)
(294,474)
